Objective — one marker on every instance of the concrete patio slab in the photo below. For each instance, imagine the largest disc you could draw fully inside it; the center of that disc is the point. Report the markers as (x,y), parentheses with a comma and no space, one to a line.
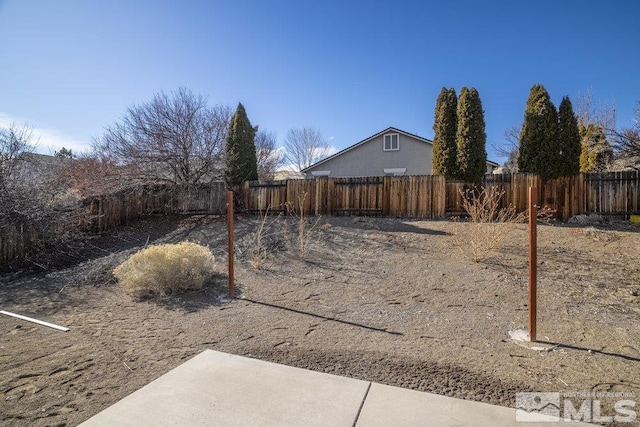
(220,389)
(386,405)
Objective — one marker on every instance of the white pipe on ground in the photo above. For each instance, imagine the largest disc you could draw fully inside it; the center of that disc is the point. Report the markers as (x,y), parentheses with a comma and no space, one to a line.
(39,322)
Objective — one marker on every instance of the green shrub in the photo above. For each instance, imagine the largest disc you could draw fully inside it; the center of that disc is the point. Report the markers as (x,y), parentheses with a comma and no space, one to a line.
(166,269)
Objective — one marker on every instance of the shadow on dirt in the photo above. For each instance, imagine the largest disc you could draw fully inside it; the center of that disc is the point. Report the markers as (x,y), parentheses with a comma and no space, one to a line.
(391,225)
(211,295)
(145,231)
(318,316)
(590,350)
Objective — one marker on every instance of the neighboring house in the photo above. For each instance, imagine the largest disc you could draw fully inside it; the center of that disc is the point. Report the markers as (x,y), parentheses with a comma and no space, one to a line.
(390,152)
(282,175)
(36,169)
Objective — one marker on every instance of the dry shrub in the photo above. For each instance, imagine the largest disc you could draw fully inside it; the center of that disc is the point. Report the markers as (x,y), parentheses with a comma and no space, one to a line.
(490,224)
(306,229)
(166,269)
(264,240)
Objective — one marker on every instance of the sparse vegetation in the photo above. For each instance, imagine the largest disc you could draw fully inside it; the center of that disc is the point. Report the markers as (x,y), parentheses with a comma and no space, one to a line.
(306,229)
(264,240)
(490,223)
(166,269)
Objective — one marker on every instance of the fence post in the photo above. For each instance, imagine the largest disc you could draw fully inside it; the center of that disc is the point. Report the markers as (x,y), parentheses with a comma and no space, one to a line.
(533,262)
(317,205)
(230,247)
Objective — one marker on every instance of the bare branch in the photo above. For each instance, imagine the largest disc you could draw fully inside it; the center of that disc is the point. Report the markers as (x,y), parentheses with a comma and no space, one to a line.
(627,141)
(269,157)
(174,138)
(510,149)
(304,147)
(15,143)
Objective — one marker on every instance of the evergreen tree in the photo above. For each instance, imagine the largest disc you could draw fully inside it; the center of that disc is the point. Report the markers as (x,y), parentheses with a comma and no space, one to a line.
(471,136)
(242,163)
(596,151)
(444,161)
(64,153)
(539,135)
(568,139)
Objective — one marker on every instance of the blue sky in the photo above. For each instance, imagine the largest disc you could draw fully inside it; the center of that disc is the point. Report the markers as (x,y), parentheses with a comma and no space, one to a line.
(68,68)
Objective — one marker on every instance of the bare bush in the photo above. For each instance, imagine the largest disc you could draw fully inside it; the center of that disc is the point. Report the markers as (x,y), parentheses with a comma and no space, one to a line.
(490,223)
(264,239)
(36,203)
(305,230)
(166,269)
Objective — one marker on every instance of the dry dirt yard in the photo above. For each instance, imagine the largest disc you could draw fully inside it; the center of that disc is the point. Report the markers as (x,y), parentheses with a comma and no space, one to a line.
(388,300)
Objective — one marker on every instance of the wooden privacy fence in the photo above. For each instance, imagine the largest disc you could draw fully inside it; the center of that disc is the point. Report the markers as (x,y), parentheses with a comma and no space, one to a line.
(614,193)
(16,241)
(106,212)
(406,196)
(608,193)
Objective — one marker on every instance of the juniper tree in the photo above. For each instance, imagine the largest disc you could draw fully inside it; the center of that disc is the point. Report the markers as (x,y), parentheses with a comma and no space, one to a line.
(242,163)
(596,151)
(568,140)
(445,149)
(471,136)
(539,135)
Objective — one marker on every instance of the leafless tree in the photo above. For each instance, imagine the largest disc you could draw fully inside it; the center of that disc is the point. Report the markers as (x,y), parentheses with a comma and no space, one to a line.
(34,200)
(598,113)
(304,147)
(627,141)
(174,138)
(597,122)
(510,149)
(93,175)
(269,157)
(15,144)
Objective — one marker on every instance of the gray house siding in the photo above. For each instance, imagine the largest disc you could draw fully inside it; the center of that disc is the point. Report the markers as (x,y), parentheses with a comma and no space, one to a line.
(370,159)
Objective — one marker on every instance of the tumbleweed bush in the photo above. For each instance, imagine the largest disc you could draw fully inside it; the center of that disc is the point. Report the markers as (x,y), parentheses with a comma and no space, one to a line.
(166,269)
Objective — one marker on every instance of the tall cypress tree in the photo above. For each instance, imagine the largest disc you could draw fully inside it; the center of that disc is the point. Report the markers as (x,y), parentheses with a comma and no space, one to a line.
(568,139)
(539,135)
(444,160)
(471,136)
(242,163)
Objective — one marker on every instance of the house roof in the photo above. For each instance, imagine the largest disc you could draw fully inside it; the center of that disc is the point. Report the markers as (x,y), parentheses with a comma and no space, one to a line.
(364,141)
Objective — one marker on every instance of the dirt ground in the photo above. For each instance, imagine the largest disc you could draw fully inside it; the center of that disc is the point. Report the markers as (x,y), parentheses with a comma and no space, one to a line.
(387,300)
